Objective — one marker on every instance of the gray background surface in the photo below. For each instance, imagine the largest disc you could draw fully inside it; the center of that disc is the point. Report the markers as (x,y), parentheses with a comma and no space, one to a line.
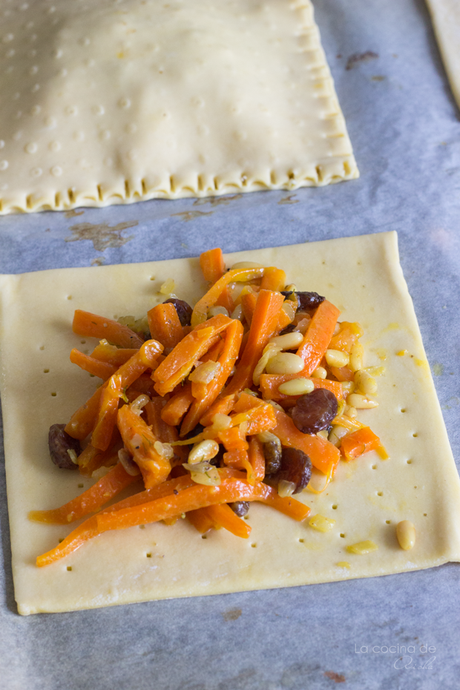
(405,129)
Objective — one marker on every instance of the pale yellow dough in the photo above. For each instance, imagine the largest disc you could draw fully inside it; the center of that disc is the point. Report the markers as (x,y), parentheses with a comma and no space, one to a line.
(446,21)
(112,102)
(367,498)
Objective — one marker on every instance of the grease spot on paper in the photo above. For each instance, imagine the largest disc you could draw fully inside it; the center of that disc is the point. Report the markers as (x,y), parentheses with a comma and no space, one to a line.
(191,215)
(231,614)
(102,235)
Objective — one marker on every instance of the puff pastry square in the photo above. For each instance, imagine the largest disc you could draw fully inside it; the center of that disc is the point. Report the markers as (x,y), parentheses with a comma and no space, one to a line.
(367,497)
(125,100)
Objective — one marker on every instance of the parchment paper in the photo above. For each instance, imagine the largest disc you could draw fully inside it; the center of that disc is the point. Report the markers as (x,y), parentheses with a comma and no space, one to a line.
(400,631)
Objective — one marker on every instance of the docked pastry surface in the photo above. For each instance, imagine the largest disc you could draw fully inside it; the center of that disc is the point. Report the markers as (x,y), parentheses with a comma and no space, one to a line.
(367,498)
(117,102)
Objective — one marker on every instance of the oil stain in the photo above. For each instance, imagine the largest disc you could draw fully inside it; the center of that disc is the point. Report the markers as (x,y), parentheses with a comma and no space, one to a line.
(217,200)
(438,369)
(288,200)
(336,677)
(98,261)
(231,614)
(73,213)
(191,215)
(378,77)
(102,236)
(358,58)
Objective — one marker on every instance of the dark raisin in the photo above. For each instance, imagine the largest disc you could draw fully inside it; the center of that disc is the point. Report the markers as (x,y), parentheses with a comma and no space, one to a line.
(308,300)
(184,310)
(240,508)
(59,443)
(288,329)
(295,468)
(272,454)
(314,411)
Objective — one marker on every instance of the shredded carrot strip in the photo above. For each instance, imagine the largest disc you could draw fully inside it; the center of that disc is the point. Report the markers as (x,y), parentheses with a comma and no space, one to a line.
(94,326)
(238,275)
(90,500)
(322,453)
(263,326)
(164,325)
(318,336)
(212,264)
(359,442)
(177,405)
(103,370)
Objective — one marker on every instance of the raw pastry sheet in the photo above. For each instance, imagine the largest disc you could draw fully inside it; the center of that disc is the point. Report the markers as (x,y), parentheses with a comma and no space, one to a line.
(367,498)
(116,102)
(446,21)
(404,127)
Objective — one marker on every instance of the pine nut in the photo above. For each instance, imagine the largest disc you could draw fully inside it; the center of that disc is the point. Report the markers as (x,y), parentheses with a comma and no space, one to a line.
(319,373)
(164,449)
(365,383)
(321,523)
(323,433)
(296,387)
(221,421)
(209,478)
(350,411)
(213,311)
(337,358)
(167,287)
(405,533)
(237,313)
(289,341)
(356,356)
(205,450)
(269,352)
(337,433)
(361,402)
(348,387)
(363,547)
(289,308)
(285,363)
(246,264)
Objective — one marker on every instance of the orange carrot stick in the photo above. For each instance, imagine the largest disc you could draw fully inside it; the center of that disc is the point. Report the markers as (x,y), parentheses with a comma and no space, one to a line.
(274,279)
(93,366)
(342,373)
(257,458)
(107,417)
(212,264)
(359,442)
(91,459)
(201,520)
(321,452)
(318,336)
(200,496)
(94,326)
(111,354)
(208,300)
(179,363)
(84,419)
(88,529)
(263,325)
(226,300)
(90,500)
(223,516)
(223,405)
(177,405)
(140,442)
(226,360)
(165,325)
(248,304)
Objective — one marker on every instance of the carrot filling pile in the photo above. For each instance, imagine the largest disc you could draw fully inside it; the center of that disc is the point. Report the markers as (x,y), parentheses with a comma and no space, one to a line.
(249,396)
